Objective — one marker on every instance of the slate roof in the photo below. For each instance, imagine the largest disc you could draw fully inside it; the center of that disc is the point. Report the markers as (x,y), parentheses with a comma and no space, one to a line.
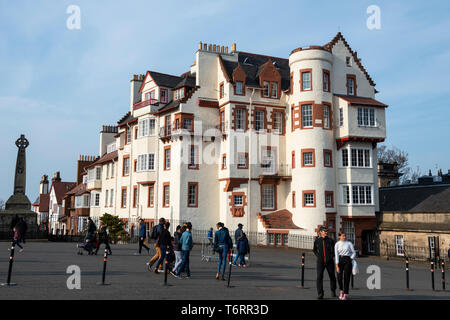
(78,190)
(61,188)
(107,157)
(416,198)
(187,81)
(361,101)
(251,64)
(165,80)
(126,119)
(281,219)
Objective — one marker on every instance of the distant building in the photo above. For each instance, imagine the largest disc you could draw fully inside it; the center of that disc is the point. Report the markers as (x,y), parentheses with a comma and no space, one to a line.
(414,219)
(41,205)
(388,174)
(56,196)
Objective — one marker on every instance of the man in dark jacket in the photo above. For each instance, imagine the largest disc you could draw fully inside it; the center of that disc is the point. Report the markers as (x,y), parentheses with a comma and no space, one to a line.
(103,237)
(22,227)
(163,242)
(142,236)
(156,230)
(222,244)
(238,234)
(324,251)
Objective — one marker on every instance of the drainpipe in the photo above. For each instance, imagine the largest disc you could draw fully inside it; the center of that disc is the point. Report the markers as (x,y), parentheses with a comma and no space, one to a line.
(250,165)
(131,175)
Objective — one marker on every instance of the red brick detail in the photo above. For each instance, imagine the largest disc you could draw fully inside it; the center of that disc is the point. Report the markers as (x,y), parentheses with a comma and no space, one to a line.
(237,211)
(233,117)
(281,219)
(303,198)
(208,103)
(313,156)
(361,223)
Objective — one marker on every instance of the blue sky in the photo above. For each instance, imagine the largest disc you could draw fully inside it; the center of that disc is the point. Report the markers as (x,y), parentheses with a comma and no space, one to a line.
(58,86)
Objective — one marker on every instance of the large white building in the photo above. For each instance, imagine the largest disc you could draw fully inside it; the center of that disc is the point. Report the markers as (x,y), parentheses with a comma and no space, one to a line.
(280,145)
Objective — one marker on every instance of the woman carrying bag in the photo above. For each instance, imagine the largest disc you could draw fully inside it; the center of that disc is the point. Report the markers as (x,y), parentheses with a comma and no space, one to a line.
(344,255)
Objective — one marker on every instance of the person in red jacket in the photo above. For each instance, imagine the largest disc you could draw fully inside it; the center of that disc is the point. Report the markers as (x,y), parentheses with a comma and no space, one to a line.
(324,251)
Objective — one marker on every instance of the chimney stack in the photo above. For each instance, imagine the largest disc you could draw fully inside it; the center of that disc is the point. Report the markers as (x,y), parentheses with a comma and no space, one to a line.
(233,47)
(56,177)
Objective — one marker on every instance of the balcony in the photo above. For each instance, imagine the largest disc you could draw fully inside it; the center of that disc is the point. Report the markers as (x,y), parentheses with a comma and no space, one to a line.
(282,171)
(145,103)
(165,132)
(94,184)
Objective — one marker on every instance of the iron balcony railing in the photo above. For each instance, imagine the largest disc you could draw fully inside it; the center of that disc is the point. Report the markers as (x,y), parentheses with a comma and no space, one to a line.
(165,132)
(145,103)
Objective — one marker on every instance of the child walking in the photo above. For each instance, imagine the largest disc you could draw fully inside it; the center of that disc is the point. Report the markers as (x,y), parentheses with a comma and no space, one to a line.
(17,238)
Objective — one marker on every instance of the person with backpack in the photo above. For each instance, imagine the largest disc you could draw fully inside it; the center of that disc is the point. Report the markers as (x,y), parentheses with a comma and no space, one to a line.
(222,245)
(243,248)
(177,248)
(163,242)
(186,247)
(344,255)
(103,237)
(142,237)
(154,234)
(324,251)
(237,237)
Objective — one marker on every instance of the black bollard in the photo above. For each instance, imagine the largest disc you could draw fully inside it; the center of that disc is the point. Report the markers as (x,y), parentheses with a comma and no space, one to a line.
(303,270)
(11,260)
(165,268)
(443,274)
(105,259)
(432,275)
(407,273)
(229,272)
(352,281)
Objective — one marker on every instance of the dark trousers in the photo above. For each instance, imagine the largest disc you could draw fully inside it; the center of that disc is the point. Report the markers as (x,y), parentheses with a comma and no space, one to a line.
(106,242)
(17,243)
(345,268)
(141,244)
(329,266)
(163,256)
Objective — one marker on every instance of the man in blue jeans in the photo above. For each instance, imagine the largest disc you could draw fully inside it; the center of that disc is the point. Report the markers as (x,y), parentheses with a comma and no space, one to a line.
(222,244)
(238,234)
(186,247)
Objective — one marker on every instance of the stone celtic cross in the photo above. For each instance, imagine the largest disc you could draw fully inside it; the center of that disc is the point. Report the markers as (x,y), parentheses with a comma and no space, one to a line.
(20,175)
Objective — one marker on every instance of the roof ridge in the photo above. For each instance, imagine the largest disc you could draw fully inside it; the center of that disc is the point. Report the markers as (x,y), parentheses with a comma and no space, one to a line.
(263,55)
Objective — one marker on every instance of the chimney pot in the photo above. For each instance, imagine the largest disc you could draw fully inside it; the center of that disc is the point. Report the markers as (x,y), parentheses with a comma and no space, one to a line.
(200,46)
(226,49)
(233,47)
(214,48)
(209,47)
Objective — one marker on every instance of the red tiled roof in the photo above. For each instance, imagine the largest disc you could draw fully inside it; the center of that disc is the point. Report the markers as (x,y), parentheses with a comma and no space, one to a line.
(78,190)
(106,158)
(61,188)
(362,101)
(44,202)
(281,219)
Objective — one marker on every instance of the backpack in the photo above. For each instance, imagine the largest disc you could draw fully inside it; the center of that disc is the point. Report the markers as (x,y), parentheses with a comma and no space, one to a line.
(154,233)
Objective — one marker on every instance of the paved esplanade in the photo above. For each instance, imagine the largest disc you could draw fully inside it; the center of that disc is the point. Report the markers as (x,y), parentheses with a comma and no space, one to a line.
(40,272)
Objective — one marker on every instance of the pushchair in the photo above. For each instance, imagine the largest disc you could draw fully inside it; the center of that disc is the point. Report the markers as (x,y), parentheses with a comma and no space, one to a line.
(89,244)
(170,257)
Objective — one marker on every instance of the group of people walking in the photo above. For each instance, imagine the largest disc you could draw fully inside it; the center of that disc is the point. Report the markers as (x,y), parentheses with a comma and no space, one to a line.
(334,257)
(95,238)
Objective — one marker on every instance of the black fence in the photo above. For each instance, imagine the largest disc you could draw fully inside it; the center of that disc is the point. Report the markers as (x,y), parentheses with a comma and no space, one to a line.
(35,235)
(412,252)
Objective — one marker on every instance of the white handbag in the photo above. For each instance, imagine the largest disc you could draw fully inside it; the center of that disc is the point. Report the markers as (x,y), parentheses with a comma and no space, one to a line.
(355,269)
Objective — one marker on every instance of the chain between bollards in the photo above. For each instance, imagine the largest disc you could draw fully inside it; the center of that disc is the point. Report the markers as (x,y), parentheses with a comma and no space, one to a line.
(11,261)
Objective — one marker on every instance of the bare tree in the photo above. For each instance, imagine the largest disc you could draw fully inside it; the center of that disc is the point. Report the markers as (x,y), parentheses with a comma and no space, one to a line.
(400,157)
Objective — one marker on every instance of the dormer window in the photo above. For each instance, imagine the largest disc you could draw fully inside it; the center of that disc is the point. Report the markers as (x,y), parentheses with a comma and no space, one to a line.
(266,89)
(150,95)
(163,95)
(274,90)
(178,94)
(239,87)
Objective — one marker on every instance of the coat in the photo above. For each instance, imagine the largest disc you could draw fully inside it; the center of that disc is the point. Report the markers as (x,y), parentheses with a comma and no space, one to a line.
(186,241)
(143,231)
(164,238)
(324,250)
(222,238)
(243,246)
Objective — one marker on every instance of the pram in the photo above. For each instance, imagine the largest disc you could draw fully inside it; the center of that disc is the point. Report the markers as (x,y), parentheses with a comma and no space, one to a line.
(89,244)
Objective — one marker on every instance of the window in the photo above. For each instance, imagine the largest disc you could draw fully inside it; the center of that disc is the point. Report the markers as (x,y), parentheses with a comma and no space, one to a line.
(91,175)
(399,245)
(222,121)
(329,203)
(267,196)
(308,157)
(357,194)
(178,94)
(112,169)
(167,158)
(126,166)
(127,135)
(349,230)
(111,199)
(274,89)
(238,200)
(360,158)
(294,201)
(124,198)
(166,195)
(239,87)
(187,124)
(193,163)
(221,90)
(240,119)
(327,158)
(98,173)
(151,195)
(277,122)
(306,84)
(163,97)
(135,197)
(259,120)
(224,161)
(146,162)
(326,80)
(268,159)
(192,194)
(348,61)
(341,117)
(146,127)
(351,85)
(150,95)
(326,116)
(266,92)
(307,117)
(293,160)
(308,199)
(106,197)
(242,161)
(366,117)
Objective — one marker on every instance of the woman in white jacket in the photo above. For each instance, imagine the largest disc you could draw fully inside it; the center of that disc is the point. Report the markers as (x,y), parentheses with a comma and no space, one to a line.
(344,254)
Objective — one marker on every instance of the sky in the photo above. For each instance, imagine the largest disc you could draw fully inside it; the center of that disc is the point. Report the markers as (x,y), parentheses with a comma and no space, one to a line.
(58,86)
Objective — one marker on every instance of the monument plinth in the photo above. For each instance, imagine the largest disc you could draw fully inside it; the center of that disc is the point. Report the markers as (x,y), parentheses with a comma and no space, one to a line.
(19,204)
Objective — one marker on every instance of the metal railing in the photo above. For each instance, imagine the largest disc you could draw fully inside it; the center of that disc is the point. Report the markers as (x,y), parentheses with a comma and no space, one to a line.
(412,252)
(145,103)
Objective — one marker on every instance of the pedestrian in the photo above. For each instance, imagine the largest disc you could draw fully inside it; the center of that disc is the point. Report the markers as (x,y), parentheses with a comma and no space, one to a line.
(324,251)
(177,248)
(154,234)
(14,222)
(22,226)
(237,237)
(344,255)
(186,247)
(222,245)
(163,242)
(142,237)
(210,236)
(16,239)
(90,236)
(103,237)
(243,248)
